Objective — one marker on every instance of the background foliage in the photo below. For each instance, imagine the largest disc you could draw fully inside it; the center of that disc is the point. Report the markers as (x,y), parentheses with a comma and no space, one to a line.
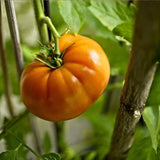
(111,24)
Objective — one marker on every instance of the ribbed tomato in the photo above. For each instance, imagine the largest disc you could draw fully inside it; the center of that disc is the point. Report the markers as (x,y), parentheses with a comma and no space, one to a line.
(66,92)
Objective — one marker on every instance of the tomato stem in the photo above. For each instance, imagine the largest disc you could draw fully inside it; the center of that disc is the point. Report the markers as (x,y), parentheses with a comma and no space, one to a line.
(41,27)
(56,35)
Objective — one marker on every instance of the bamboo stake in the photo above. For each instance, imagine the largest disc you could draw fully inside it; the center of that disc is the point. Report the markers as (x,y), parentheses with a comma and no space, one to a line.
(3,58)
(12,21)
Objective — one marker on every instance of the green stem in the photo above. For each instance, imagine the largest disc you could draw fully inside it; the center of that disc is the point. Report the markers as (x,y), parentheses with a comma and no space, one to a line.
(61,143)
(41,21)
(117,85)
(41,27)
(26,146)
(56,35)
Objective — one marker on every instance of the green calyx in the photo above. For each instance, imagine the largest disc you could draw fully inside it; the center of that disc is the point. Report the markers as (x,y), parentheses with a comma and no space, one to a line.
(48,56)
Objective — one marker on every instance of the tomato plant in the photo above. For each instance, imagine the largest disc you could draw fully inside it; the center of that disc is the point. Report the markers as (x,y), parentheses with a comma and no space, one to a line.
(68,90)
(70,72)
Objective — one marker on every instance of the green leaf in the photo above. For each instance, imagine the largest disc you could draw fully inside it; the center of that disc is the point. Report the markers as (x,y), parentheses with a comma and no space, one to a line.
(154,95)
(102,128)
(10,154)
(47,143)
(142,150)
(20,129)
(91,156)
(151,116)
(50,156)
(112,13)
(100,102)
(56,17)
(29,53)
(12,67)
(124,30)
(73,13)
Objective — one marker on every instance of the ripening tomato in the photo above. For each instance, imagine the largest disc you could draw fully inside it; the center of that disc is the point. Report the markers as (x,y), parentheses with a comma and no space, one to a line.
(69,90)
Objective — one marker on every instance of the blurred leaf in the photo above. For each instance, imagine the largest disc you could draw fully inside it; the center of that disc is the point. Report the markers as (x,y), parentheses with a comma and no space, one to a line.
(103,127)
(29,53)
(50,156)
(124,30)
(151,116)
(69,154)
(154,95)
(118,55)
(47,143)
(73,13)
(112,13)
(158,151)
(56,17)
(97,106)
(10,154)
(1,83)
(20,129)
(12,67)
(91,156)
(142,150)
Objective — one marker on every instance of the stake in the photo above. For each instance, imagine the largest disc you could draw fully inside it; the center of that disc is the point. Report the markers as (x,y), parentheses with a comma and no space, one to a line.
(14,35)
(3,58)
(18,53)
(47,13)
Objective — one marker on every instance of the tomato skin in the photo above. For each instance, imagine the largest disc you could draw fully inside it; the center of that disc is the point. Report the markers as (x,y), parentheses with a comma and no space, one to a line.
(68,91)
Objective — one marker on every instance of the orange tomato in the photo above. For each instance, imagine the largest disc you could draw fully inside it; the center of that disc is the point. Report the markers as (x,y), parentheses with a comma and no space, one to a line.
(66,92)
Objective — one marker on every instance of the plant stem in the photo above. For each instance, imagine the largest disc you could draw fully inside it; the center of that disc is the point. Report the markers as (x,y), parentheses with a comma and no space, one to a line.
(14,35)
(3,58)
(117,85)
(19,140)
(41,27)
(56,35)
(139,77)
(61,144)
(41,20)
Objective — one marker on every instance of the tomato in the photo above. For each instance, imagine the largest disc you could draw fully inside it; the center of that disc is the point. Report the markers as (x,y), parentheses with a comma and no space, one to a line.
(66,92)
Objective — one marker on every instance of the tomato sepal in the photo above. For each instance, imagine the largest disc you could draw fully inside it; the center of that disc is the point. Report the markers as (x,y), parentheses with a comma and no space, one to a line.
(48,57)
